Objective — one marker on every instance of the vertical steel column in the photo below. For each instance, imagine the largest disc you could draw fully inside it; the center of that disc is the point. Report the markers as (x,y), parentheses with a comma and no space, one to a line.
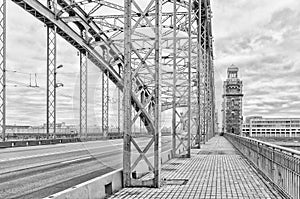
(204,70)
(207,74)
(127,122)
(105,103)
(189,79)
(199,57)
(206,93)
(157,99)
(212,101)
(202,73)
(212,108)
(83,90)
(174,103)
(51,74)
(119,107)
(3,67)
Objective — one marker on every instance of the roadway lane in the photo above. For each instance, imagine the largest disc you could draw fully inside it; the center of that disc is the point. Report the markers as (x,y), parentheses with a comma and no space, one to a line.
(39,171)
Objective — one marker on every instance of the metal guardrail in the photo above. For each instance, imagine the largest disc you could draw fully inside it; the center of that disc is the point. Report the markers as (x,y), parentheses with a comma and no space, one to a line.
(280,165)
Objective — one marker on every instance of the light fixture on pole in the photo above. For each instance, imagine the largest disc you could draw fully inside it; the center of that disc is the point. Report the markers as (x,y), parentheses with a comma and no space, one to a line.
(56,85)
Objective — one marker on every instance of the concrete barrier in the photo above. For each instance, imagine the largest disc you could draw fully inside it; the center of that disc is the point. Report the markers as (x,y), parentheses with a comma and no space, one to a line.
(24,143)
(105,185)
(5,144)
(19,143)
(96,188)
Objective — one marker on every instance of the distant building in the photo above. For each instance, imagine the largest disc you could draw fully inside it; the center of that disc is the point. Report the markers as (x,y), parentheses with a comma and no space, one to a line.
(61,128)
(271,127)
(17,128)
(232,102)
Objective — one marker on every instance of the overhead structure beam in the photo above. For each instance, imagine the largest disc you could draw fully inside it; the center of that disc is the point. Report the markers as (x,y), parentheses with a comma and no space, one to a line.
(3,68)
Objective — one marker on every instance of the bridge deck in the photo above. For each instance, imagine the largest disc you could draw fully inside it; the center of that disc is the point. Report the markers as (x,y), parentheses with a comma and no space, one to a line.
(215,171)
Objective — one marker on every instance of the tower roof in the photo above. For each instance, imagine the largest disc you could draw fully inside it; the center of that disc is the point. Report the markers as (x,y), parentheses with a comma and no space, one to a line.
(233,68)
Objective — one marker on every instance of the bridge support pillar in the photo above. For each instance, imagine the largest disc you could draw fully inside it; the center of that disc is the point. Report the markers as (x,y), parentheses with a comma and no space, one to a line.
(2,68)
(83,91)
(189,65)
(185,118)
(105,103)
(174,89)
(51,74)
(150,98)
(198,66)
(157,93)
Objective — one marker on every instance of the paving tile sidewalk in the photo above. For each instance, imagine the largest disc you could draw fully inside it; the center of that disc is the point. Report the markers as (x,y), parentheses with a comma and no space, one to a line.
(215,171)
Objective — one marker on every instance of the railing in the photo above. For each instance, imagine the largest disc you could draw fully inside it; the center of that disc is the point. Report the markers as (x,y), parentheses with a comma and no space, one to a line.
(280,165)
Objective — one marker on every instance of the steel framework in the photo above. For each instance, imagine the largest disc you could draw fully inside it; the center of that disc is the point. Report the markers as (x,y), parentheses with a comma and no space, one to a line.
(159,53)
(148,57)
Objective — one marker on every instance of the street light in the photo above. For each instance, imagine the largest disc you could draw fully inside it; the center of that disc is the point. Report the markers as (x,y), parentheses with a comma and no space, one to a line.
(59,85)
(55,73)
(56,85)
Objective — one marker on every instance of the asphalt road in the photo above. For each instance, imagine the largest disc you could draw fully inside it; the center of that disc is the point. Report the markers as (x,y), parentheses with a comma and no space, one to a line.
(39,171)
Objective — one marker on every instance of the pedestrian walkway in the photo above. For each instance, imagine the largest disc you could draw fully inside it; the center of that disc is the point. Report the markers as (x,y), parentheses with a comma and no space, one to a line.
(215,171)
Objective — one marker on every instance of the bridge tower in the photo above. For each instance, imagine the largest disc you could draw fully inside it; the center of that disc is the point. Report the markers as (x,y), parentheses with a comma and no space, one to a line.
(232,102)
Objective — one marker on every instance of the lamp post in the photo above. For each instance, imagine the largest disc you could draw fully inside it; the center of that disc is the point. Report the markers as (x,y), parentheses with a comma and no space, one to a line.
(56,85)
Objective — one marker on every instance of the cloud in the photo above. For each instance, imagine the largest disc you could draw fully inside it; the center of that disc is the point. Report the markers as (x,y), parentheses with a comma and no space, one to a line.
(265,46)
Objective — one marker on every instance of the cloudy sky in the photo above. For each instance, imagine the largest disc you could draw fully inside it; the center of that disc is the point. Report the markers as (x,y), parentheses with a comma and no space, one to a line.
(261,37)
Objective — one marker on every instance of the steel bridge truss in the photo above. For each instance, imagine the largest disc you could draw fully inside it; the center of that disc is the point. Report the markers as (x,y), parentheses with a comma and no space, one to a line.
(157,52)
